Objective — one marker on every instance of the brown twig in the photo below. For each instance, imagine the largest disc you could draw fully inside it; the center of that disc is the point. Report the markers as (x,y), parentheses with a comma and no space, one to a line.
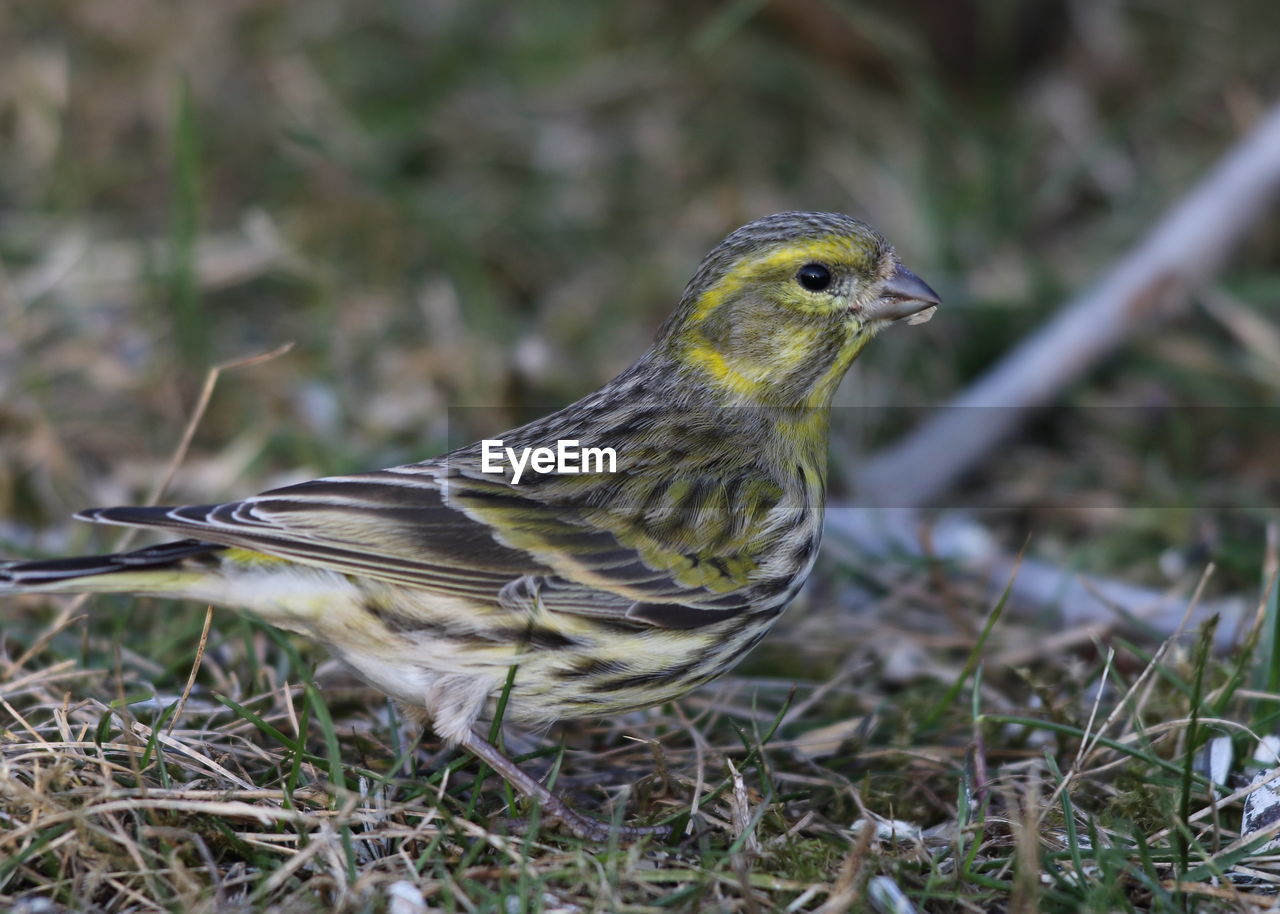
(195,668)
(1185,248)
(197,414)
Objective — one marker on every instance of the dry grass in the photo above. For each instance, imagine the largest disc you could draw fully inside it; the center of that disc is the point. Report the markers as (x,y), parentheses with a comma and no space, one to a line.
(1071,783)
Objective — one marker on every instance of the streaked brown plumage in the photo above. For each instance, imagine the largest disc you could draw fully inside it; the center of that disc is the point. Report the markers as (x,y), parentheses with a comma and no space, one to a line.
(610,590)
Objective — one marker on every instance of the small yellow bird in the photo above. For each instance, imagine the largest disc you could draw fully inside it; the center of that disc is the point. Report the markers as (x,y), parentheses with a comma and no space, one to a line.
(617,588)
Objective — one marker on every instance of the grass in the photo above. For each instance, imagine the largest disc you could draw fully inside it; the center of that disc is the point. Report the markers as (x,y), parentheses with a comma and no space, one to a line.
(1062,786)
(461,213)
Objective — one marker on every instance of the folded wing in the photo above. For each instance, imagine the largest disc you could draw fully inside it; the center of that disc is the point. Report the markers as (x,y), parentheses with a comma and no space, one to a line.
(444,531)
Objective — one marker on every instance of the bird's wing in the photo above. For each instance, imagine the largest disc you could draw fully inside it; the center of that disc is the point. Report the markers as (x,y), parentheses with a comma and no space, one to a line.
(423,526)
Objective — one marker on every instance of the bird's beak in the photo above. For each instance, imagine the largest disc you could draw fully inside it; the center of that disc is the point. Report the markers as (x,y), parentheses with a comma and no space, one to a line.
(904,294)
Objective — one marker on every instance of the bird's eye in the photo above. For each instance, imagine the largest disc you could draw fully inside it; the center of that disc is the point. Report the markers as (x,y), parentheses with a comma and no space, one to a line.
(814,277)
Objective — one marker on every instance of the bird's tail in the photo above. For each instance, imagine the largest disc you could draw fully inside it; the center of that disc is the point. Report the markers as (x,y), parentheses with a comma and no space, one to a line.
(155,569)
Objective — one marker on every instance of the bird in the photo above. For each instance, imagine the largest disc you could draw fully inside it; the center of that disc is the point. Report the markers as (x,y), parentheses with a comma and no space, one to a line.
(608,590)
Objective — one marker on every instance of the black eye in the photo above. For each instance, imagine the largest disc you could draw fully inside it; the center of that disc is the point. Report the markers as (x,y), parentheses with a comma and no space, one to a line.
(814,277)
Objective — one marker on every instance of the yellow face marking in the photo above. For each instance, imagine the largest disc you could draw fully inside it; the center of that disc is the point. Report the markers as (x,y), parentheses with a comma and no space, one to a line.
(826,386)
(793,345)
(712,363)
(746,377)
(797,348)
(832,248)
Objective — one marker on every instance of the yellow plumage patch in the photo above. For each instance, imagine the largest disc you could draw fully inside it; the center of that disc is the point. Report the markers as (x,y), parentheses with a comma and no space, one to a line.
(712,363)
(241,556)
(760,348)
(782,259)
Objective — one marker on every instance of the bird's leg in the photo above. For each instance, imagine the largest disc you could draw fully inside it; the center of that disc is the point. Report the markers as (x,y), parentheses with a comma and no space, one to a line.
(583,827)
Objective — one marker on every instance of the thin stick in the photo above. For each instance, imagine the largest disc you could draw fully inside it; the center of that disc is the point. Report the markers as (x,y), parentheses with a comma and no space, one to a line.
(175,460)
(1184,249)
(195,668)
(188,433)
(202,404)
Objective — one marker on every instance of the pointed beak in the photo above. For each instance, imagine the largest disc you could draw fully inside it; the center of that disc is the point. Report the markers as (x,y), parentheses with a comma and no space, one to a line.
(904,294)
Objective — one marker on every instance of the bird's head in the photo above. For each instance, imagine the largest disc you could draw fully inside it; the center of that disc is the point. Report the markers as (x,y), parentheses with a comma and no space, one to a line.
(778,311)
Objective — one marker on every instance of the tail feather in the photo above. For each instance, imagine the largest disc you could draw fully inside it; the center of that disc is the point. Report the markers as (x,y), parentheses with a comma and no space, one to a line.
(139,515)
(52,574)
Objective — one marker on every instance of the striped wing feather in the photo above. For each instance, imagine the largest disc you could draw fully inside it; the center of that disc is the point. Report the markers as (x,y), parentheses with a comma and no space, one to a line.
(403,526)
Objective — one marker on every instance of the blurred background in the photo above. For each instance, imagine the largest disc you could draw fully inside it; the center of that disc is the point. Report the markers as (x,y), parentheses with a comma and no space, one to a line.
(464,203)
(459,211)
